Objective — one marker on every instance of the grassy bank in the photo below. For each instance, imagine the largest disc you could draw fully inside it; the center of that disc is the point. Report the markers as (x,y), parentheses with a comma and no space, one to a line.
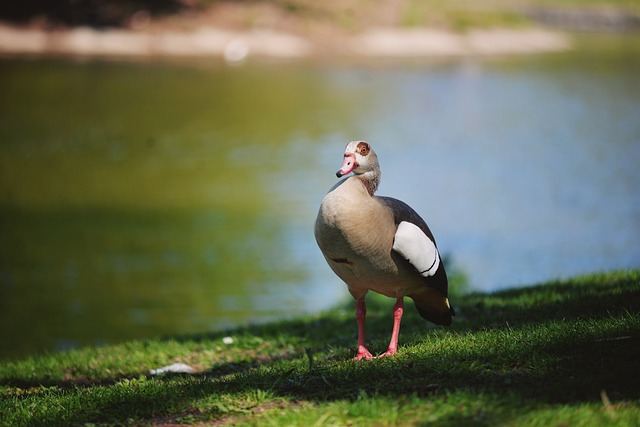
(561,353)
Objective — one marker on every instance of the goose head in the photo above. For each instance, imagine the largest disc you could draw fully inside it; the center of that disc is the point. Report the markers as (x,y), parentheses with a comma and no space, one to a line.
(359,158)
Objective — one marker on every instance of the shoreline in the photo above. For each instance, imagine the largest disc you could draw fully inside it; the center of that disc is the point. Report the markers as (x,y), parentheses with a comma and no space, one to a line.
(234,46)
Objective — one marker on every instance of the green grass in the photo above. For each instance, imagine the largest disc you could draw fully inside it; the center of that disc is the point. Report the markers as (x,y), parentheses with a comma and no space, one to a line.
(558,354)
(456,15)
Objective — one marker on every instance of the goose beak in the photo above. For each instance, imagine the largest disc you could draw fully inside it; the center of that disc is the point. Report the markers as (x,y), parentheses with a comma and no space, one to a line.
(348,165)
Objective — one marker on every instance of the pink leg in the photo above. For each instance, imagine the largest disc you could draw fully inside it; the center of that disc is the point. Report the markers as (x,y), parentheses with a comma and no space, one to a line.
(361,313)
(398,309)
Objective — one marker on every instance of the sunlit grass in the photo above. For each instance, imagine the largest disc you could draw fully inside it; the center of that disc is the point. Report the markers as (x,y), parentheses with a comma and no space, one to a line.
(562,353)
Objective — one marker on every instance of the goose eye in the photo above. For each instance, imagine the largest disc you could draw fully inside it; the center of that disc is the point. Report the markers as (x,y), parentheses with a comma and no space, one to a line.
(363,148)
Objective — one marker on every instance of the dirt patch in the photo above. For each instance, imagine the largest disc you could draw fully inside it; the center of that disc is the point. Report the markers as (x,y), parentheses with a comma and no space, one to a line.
(237,46)
(427,42)
(192,417)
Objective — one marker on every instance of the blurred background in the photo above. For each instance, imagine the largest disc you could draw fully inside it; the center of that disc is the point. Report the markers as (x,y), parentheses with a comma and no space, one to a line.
(162,163)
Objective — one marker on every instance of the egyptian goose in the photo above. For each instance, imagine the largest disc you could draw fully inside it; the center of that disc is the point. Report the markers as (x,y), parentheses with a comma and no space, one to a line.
(380,244)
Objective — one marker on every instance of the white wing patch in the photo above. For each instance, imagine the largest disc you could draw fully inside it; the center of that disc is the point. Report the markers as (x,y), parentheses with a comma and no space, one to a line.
(417,248)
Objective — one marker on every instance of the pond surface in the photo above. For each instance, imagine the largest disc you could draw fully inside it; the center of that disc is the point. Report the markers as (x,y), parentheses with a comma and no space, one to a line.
(147,199)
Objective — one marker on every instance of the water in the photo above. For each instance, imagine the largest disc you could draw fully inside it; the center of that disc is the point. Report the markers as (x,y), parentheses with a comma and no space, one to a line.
(162,198)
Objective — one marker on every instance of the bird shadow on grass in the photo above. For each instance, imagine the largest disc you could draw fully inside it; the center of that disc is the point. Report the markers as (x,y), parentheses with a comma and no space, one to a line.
(559,342)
